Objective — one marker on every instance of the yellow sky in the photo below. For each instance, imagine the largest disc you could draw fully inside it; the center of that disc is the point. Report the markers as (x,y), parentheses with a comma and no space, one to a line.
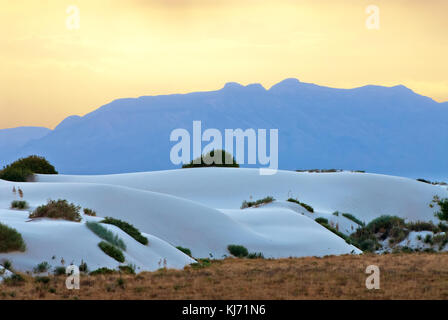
(130,48)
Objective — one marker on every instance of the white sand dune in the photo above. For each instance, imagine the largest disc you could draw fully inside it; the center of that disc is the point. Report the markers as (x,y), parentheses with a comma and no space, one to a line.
(365,195)
(200,209)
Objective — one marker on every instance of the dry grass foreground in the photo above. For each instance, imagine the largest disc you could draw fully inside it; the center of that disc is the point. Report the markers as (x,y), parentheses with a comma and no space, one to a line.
(403,276)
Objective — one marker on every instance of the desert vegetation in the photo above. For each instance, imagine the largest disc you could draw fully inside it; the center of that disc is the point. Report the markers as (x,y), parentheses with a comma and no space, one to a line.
(257,203)
(330,277)
(237,250)
(306,206)
(23,169)
(111,251)
(57,209)
(211,158)
(128,228)
(10,239)
(105,234)
(353,218)
(184,250)
(19,204)
(442,214)
(89,212)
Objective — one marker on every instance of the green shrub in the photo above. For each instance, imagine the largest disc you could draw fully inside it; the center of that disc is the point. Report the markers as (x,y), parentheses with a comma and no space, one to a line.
(238,251)
(105,234)
(442,214)
(428,239)
(16,174)
(353,218)
(384,224)
(306,206)
(102,271)
(185,250)
(83,266)
(58,271)
(442,227)
(59,209)
(206,160)
(248,204)
(365,239)
(336,213)
(89,212)
(17,204)
(111,251)
(10,240)
(42,267)
(321,220)
(22,169)
(255,255)
(7,264)
(422,226)
(128,228)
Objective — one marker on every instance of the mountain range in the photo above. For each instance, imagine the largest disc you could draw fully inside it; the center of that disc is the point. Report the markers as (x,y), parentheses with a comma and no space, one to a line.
(390,130)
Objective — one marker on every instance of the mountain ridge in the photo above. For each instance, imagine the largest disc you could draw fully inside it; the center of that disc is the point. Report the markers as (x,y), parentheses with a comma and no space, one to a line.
(390,130)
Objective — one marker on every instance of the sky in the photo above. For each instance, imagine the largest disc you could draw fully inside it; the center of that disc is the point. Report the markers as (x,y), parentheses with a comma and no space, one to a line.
(60,58)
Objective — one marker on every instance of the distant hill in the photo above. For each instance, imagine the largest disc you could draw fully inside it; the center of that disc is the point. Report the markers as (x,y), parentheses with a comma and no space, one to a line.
(389,130)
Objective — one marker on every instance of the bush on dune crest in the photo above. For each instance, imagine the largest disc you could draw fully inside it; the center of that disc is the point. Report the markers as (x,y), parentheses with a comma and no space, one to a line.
(184,250)
(23,169)
(306,206)
(223,158)
(10,239)
(249,204)
(59,209)
(128,228)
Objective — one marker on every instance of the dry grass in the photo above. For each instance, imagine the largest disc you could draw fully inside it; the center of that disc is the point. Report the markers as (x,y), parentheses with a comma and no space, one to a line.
(403,276)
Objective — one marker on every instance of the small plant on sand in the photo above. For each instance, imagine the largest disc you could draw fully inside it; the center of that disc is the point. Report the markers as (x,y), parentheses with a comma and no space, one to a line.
(89,212)
(321,220)
(306,206)
(238,251)
(185,250)
(105,234)
(59,209)
(18,204)
(111,251)
(248,204)
(10,239)
(128,228)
